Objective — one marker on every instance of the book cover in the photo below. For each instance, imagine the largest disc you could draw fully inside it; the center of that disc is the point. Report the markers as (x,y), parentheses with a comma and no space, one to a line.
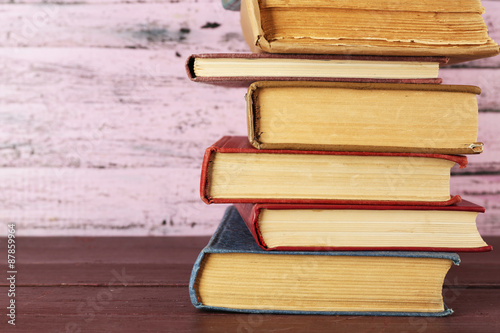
(245,81)
(374,117)
(241,145)
(232,236)
(250,213)
(347,28)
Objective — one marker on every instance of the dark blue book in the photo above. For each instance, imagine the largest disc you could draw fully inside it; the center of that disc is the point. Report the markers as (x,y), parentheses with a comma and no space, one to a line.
(232,273)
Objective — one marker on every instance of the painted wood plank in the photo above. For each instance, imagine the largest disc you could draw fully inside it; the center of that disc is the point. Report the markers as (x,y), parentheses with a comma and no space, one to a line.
(109,108)
(149,201)
(116,108)
(485,78)
(138,202)
(133,24)
(58,23)
(65,2)
(485,191)
(216,3)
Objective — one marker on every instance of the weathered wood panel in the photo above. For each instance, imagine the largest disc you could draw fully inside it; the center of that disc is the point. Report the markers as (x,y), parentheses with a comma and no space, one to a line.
(109,108)
(485,78)
(215,3)
(96,285)
(135,108)
(148,201)
(485,191)
(138,201)
(134,25)
(139,25)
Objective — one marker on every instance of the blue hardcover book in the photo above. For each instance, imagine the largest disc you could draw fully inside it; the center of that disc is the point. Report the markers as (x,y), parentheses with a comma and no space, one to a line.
(232,273)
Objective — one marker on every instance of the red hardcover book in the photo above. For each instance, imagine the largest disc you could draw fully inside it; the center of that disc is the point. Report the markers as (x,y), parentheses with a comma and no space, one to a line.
(241,69)
(303,227)
(234,171)
(233,274)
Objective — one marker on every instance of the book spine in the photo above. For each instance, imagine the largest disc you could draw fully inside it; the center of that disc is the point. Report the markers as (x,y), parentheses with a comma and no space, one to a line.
(205,169)
(250,24)
(208,199)
(192,281)
(250,215)
(445,312)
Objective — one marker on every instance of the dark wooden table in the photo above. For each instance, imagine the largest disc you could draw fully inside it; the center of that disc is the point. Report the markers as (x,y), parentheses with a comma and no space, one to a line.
(124,284)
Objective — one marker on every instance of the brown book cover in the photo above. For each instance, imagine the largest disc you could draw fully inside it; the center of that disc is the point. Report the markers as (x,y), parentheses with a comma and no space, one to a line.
(240,81)
(251,215)
(255,118)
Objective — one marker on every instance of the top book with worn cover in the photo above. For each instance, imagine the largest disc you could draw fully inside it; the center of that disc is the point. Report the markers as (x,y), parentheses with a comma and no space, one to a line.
(369,27)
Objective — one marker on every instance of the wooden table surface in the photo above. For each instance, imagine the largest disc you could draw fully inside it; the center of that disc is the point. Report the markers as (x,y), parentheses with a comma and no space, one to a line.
(127,284)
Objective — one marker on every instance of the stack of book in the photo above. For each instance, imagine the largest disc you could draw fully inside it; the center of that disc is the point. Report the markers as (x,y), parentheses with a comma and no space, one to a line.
(341,189)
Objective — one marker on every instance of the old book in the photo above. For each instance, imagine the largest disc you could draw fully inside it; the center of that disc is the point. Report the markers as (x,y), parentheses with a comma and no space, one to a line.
(241,69)
(233,274)
(380,117)
(234,171)
(396,28)
(364,227)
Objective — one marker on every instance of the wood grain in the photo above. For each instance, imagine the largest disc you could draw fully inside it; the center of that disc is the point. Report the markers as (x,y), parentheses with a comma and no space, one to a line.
(75,284)
(139,201)
(115,23)
(134,108)
(102,133)
(149,201)
(133,25)
(109,108)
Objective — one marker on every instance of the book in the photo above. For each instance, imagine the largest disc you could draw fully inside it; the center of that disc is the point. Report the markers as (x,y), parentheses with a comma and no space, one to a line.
(233,274)
(241,69)
(233,171)
(345,116)
(365,227)
(395,28)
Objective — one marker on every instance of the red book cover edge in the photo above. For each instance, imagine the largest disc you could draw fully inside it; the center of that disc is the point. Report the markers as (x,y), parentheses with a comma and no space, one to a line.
(250,214)
(240,144)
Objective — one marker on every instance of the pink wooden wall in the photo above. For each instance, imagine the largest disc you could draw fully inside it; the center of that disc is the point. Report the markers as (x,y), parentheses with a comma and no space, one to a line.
(102,134)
